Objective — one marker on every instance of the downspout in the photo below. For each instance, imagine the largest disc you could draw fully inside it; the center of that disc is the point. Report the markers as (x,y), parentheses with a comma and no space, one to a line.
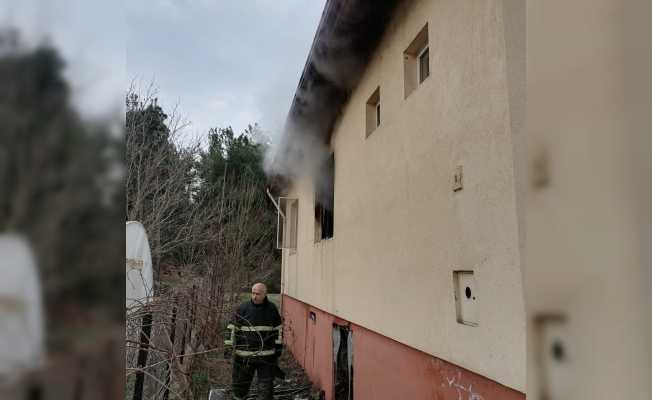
(269,194)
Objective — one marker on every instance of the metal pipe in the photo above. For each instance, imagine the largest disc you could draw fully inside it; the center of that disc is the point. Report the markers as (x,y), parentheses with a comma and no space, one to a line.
(275,203)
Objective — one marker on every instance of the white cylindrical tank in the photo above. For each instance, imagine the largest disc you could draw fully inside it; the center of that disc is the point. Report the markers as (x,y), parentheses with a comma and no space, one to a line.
(21,313)
(139,274)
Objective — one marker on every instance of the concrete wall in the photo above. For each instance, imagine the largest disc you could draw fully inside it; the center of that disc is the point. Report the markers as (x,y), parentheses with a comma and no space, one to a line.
(400,230)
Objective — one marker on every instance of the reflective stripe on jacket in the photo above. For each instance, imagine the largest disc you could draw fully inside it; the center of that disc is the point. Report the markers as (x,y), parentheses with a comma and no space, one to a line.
(255,330)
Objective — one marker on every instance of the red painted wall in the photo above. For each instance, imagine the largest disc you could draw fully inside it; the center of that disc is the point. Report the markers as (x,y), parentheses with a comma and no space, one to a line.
(382,367)
(310,341)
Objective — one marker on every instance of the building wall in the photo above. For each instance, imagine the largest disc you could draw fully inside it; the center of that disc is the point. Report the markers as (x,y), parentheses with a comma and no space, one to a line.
(584,219)
(382,367)
(400,230)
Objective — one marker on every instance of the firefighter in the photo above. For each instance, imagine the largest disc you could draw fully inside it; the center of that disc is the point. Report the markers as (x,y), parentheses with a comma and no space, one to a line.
(255,337)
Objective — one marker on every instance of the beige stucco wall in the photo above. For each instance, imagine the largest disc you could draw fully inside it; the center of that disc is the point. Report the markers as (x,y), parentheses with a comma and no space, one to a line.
(400,231)
(584,246)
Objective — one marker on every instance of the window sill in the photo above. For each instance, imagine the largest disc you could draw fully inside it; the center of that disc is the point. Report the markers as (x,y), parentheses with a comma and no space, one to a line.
(416,88)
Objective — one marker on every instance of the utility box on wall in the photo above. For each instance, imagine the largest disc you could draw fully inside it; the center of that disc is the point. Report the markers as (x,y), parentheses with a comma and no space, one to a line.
(458,176)
(466,298)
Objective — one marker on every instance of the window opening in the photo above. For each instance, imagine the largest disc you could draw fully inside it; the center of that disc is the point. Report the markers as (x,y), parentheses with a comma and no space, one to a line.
(324,201)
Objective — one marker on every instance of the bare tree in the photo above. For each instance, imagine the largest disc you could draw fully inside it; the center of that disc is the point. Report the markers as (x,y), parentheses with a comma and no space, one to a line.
(206,246)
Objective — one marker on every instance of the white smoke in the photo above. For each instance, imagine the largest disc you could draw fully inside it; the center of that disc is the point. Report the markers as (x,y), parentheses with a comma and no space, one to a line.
(347,35)
(299,153)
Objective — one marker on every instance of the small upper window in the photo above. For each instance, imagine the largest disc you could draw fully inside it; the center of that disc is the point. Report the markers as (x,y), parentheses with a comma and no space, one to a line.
(416,61)
(378,114)
(424,66)
(287,224)
(373,112)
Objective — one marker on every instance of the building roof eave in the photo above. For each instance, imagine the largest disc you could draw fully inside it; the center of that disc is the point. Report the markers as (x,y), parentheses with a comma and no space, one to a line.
(348,33)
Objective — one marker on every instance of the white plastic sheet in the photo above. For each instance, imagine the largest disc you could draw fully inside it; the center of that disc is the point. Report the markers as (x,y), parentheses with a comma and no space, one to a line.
(139,274)
(21,312)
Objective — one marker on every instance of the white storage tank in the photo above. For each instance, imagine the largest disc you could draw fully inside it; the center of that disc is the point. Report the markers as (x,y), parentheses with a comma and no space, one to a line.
(139,274)
(21,310)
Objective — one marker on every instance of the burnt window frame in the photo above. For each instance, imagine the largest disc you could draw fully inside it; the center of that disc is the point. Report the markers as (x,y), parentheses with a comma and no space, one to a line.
(325,217)
(413,76)
(287,229)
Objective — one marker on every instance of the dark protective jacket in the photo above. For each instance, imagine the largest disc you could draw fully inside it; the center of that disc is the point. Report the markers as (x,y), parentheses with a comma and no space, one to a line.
(255,330)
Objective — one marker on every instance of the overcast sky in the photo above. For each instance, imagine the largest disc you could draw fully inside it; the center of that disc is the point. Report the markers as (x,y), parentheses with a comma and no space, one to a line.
(89,34)
(222,62)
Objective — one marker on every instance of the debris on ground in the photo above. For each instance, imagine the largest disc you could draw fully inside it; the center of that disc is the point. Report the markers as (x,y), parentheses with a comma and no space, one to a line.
(295,385)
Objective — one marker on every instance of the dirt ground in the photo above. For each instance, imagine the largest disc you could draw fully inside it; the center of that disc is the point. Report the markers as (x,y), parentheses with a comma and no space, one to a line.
(295,386)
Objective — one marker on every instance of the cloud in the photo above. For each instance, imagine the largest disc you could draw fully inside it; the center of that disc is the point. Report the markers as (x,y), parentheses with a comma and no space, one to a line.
(89,34)
(225,63)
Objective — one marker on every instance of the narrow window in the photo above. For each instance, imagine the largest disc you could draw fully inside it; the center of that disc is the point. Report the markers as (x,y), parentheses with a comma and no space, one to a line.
(416,61)
(288,220)
(373,112)
(424,66)
(377,114)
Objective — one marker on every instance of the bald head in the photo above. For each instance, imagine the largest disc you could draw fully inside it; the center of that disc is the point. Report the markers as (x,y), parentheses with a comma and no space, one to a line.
(258,293)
